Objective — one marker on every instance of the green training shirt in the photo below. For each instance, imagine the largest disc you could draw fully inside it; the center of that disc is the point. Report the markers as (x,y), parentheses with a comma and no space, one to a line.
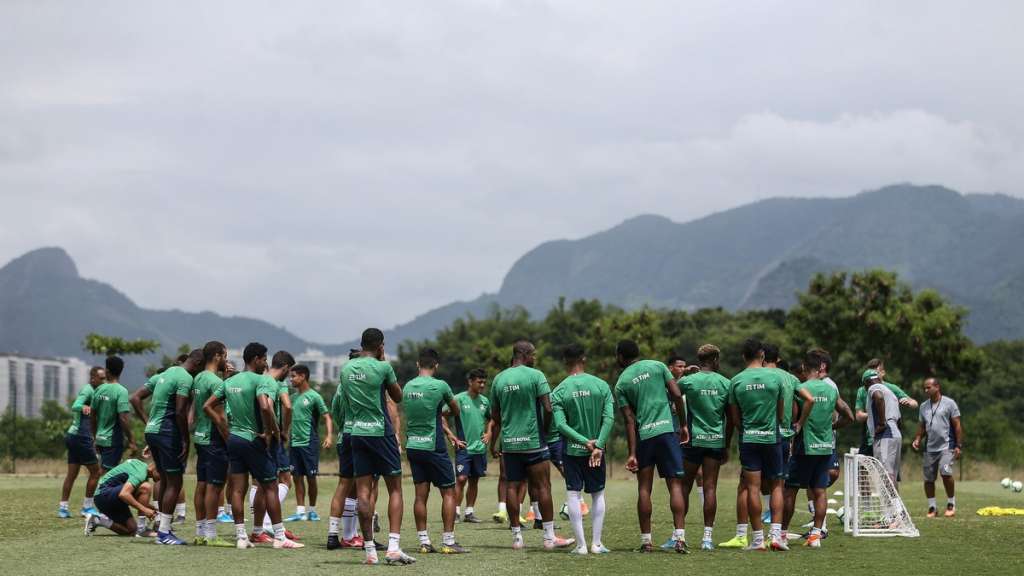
(206,383)
(340,414)
(789,385)
(424,398)
(707,394)
(757,391)
(816,438)
(175,381)
(517,393)
(240,394)
(131,471)
(474,413)
(365,380)
(109,401)
(642,386)
(307,408)
(584,410)
(81,426)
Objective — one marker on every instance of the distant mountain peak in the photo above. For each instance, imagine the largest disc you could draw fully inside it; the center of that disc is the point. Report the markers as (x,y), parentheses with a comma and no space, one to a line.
(49,262)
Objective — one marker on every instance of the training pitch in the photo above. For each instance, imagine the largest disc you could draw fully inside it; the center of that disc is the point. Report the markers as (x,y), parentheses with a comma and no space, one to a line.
(35,541)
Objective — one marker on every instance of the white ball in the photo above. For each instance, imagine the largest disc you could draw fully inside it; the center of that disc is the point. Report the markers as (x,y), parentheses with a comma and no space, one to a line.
(1006,483)
(1018,486)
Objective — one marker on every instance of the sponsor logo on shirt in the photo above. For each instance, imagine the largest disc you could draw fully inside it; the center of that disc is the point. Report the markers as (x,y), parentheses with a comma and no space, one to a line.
(518,439)
(713,436)
(513,388)
(641,377)
(367,424)
(759,432)
(655,424)
(754,386)
(581,393)
(820,446)
(357,377)
(421,438)
(415,394)
(712,392)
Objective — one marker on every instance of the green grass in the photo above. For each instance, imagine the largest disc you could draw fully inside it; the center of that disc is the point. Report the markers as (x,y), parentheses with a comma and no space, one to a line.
(36,542)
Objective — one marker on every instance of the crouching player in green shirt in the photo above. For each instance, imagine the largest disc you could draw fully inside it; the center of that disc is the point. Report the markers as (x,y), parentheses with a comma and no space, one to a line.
(812,449)
(584,412)
(121,489)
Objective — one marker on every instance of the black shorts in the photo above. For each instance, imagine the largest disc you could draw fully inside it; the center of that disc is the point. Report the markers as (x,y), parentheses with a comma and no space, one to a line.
(166,450)
(305,460)
(697,454)
(211,463)
(470,465)
(251,457)
(579,476)
(557,451)
(808,471)
(110,456)
(431,466)
(516,463)
(281,459)
(664,452)
(764,458)
(376,455)
(108,501)
(80,449)
(866,449)
(344,448)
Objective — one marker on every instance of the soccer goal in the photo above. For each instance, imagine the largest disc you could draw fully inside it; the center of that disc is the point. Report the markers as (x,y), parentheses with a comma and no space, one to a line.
(871,504)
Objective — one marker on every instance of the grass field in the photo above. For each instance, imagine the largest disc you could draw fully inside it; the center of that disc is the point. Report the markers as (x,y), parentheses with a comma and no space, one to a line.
(36,542)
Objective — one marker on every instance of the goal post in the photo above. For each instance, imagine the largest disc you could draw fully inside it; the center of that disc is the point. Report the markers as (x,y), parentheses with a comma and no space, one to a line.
(871,504)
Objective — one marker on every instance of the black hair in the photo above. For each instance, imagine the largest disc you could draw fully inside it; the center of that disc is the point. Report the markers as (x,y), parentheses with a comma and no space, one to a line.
(181,358)
(115,365)
(301,369)
(211,349)
(372,339)
(252,351)
(675,358)
(826,358)
(573,353)
(353,353)
(477,374)
(783,364)
(752,349)
(429,358)
(521,349)
(771,353)
(282,359)
(708,355)
(815,358)
(628,349)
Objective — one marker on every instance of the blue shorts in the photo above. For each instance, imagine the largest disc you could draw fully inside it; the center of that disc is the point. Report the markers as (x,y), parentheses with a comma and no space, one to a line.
(166,450)
(557,451)
(764,458)
(376,455)
(281,457)
(579,476)
(516,463)
(344,448)
(431,466)
(211,463)
(110,456)
(251,457)
(664,452)
(697,454)
(305,460)
(833,462)
(80,449)
(108,501)
(808,471)
(470,465)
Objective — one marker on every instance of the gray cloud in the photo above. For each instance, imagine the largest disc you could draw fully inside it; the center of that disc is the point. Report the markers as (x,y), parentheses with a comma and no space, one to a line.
(335,165)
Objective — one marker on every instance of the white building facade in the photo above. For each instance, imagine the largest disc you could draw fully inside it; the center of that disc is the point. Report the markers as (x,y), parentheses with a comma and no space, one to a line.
(28,381)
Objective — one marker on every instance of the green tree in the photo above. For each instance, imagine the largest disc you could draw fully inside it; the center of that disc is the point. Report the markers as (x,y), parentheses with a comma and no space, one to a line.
(116,346)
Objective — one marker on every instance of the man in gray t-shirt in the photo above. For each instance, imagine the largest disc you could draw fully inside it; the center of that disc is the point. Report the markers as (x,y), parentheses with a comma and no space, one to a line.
(883,415)
(940,427)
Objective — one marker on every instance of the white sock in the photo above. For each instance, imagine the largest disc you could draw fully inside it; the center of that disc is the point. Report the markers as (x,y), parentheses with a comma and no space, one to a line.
(332,525)
(576,517)
(179,509)
(679,534)
(282,492)
(775,530)
(226,509)
(597,517)
(502,508)
(64,504)
(200,528)
(424,537)
(300,510)
(549,530)
(517,532)
(371,549)
(931,503)
(393,542)
(240,532)
(535,506)
(469,510)
(951,500)
(311,510)
(824,522)
(211,528)
(458,511)
(220,511)
(448,538)
(165,523)
(810,507)
(252,497)
(140,523)
(707,533)
(700,492)
(645,538)
(758,538)
(349,522)
(154,505)
(102,520)
(741,530)
(278,531)
(257,530)
(87,502)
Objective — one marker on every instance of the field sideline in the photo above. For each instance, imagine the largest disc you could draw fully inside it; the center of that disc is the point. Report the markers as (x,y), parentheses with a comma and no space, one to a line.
(36,542)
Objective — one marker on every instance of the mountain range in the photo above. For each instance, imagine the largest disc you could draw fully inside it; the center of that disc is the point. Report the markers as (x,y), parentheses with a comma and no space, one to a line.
(968,247)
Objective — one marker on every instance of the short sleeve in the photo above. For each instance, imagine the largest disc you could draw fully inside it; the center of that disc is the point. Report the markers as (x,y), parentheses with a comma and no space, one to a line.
(542,385)
(731,397)
(151,383)
(184,386)
(266,387)
(122,401)
(954,410)
(900,394)
(321,404)
(860,402)
(620,394)
(218,391)
(447,391)
(389,374)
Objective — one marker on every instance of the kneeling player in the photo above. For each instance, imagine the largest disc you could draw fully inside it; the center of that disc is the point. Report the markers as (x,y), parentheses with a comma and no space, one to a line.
(121,489)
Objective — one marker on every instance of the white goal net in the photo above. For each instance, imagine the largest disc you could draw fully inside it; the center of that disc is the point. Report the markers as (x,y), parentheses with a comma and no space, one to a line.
(871,504)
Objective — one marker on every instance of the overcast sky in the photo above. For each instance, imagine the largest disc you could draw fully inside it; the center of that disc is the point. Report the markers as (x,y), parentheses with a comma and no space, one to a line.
(340,164)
